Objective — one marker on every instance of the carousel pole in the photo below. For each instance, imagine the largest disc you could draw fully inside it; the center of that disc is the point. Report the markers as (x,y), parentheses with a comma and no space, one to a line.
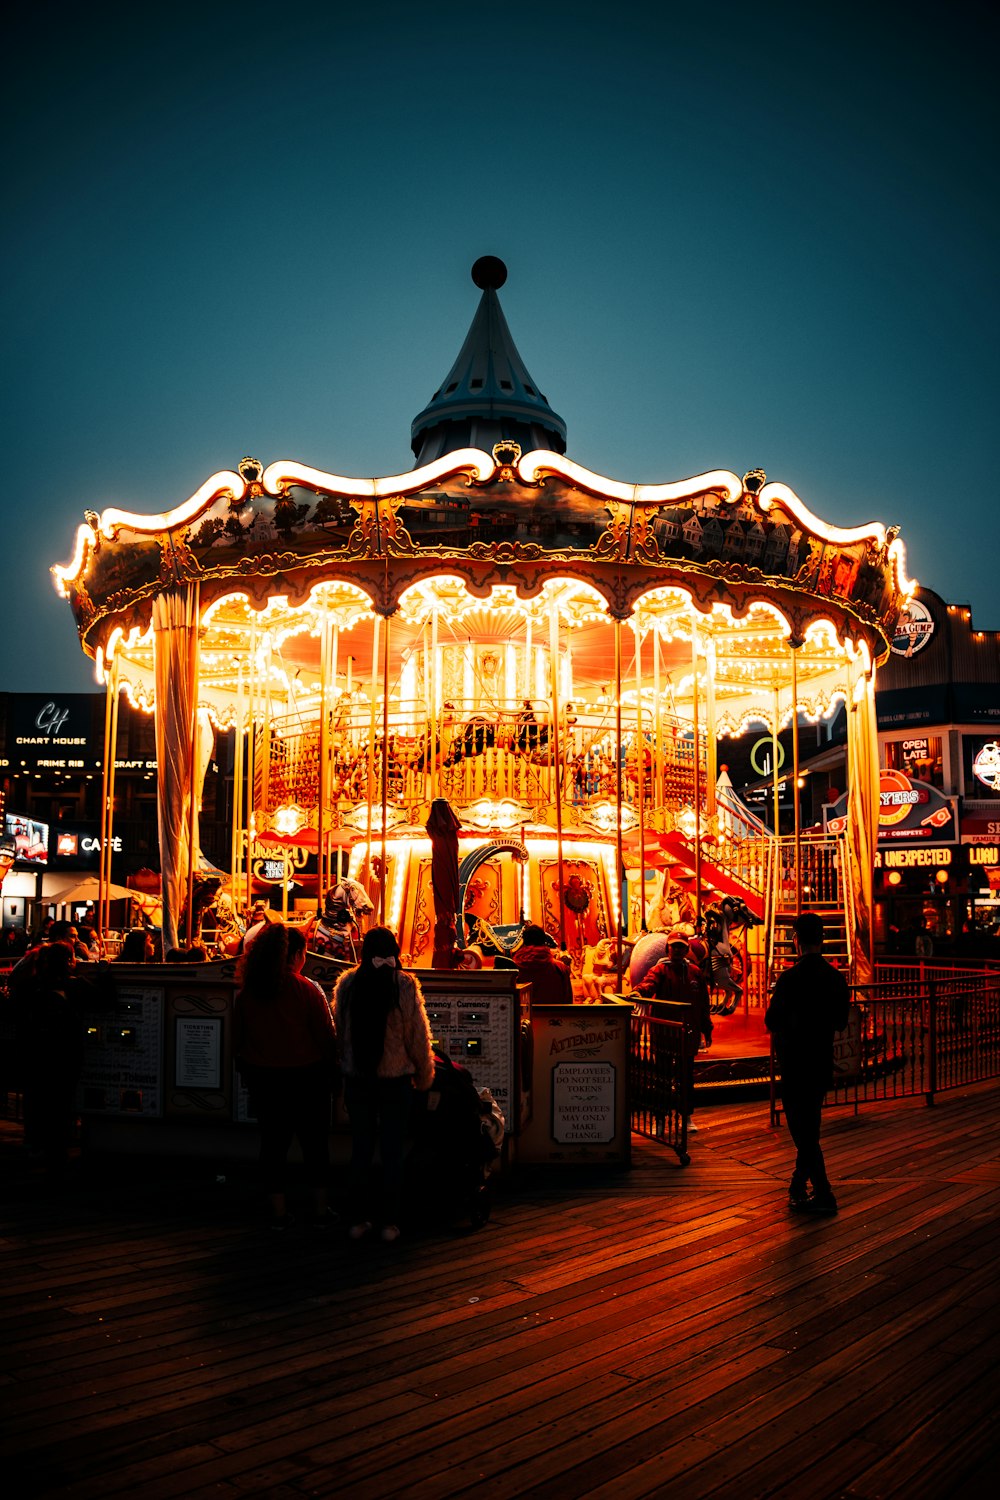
(797,825)
(234,848)
(193,604)
(697,774)
(102,867)
(658,777)
(618,791)
(321,789)
(251,758)
(370,800)
(527,656)
(426,784)
(557,764)
(640,772)
(711,743)
(334,672)
(112,778)
(775,747)
(435,693)
(385,766)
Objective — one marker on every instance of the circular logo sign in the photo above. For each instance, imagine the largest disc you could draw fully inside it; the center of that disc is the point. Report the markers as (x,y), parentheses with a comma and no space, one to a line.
(761,755)
(913,629)
(986,766)
(897,795)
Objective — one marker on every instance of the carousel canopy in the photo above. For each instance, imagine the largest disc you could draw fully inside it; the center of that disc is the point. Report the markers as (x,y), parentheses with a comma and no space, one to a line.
(494,545)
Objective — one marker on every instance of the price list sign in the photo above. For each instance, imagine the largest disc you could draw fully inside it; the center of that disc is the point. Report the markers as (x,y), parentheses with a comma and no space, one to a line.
(123,1062)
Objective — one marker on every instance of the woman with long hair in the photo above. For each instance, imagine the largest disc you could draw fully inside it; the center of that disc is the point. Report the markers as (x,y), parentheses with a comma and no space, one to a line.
(285,1046)
(137,947)
(385,1052)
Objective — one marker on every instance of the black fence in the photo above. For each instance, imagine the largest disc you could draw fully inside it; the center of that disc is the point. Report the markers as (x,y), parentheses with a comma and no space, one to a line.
(660,1078)
(921,1032)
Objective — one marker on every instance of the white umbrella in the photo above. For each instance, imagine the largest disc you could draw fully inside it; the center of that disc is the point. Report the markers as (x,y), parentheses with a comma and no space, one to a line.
(87,890)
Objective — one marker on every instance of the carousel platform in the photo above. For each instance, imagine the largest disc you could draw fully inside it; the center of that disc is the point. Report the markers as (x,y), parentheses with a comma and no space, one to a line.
(739,1060)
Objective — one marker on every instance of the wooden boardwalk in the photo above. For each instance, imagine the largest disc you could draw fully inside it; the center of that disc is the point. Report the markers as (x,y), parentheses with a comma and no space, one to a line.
(657,1332)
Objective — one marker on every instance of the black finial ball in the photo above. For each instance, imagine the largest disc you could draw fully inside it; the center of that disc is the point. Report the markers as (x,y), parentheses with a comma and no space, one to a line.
(488,272)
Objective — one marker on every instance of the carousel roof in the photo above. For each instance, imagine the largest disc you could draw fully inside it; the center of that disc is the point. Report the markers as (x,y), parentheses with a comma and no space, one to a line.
(508,530)
(488,394)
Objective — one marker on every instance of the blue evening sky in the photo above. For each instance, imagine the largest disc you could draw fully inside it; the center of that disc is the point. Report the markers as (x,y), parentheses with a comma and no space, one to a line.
(736,235)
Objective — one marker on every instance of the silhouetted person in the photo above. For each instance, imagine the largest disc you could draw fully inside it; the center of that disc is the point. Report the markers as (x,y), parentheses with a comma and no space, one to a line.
(809,1006)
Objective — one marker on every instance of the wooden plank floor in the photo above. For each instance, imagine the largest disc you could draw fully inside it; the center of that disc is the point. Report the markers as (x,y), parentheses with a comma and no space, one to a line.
(657,1332)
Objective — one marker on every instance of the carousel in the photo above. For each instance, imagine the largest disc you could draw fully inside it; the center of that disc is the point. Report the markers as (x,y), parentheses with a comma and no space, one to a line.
(492,689)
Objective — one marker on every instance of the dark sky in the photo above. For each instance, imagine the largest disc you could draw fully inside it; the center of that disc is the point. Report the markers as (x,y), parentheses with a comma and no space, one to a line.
(737,236)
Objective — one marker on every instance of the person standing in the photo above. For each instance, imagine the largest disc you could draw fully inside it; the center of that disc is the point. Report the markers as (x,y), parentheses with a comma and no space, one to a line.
(809,1006)
(50,1039)
(549,977)
(385,1053)
(285,1047)
(677,979)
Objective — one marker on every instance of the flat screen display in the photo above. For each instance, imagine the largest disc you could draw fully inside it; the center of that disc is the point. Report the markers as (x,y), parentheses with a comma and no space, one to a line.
(31,838)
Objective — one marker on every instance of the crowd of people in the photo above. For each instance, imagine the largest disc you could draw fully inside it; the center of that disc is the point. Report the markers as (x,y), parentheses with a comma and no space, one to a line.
(293,1046)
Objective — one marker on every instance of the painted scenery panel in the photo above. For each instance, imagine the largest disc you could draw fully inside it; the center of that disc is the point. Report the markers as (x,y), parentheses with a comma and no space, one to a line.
(131,563)
(709,530)
(299,521)
(554,515)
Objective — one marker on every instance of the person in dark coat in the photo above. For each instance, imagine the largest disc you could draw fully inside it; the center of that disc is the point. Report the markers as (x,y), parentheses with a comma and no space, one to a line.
(809,1006)
(537,965)
(676,978)
(50,1034)
(285,1046)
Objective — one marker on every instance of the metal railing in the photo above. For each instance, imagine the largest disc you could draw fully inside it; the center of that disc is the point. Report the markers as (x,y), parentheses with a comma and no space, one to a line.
(660,1081)
(922,1031)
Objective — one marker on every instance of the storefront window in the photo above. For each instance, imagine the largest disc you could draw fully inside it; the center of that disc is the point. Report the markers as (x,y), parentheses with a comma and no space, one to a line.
(981,765)
(919,756)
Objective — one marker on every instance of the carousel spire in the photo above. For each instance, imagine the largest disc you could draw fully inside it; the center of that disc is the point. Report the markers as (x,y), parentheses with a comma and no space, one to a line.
(488,393)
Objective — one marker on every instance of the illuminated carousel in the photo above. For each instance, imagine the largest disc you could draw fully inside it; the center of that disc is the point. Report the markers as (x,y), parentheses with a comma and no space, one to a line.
(554,654)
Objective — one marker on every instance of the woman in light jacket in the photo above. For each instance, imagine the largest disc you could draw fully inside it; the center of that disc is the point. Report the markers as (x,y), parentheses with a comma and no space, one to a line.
(385,1052)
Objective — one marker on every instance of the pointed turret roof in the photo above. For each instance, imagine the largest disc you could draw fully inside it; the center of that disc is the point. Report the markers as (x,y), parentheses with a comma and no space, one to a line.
(488,393)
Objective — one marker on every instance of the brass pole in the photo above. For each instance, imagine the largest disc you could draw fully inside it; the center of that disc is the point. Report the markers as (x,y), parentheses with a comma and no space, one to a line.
(557,764)
(193,610)
(797,825)
(775,748)
(640,768)
(112,777)
(711,743)
(370,798)
(322,788)
(385,766)
(618,790)
(658,778)
(435,690)
(102,878)
(697,774)
(251,764)
(234,844)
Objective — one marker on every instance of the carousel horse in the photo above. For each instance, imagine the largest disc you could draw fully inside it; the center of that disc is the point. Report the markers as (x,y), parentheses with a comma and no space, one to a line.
(723,965)
(495,942)
(478,735)
(344,905)
(205,899)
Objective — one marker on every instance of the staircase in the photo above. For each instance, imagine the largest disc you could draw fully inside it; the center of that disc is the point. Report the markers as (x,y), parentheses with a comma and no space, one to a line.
(823,879)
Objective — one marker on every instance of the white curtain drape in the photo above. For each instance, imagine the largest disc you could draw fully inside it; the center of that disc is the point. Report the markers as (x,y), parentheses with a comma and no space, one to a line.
(175,625)
(862,815)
